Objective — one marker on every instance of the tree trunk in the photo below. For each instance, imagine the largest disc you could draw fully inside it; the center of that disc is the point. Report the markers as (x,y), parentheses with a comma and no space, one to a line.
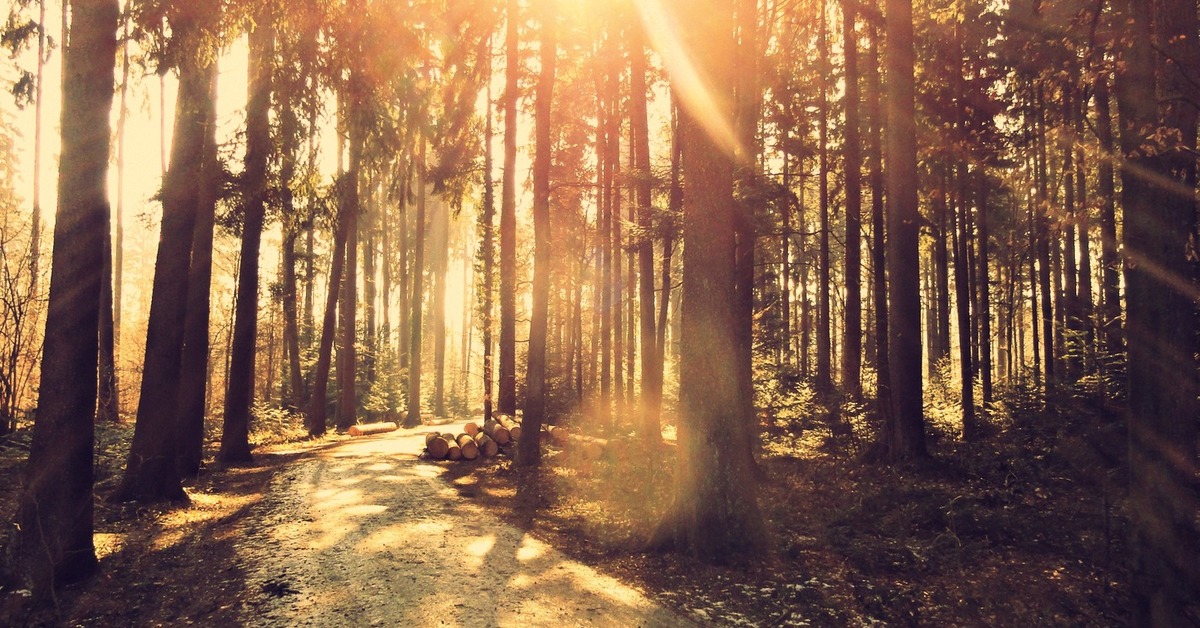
(675,209)
(413,417)
(507,394)
(347,408)
(983,285)
(487,251)
(529,448)
(962,304)
(852,332)
(715,516)
(291,329)
(318,404)
(883,388)
(1110,313)
(1160,219)
(35,221)
(107,408)
(1043,249)
(239,391)
(903,251)
(441,246)
(824,375)
(193,378)
(651,399)
(54,517)
(150,472)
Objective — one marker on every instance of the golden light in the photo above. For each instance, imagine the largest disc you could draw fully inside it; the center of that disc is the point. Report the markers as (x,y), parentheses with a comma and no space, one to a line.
(696,90)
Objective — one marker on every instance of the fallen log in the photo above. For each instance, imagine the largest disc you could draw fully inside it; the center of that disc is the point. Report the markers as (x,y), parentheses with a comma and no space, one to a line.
(512,425)
(437,446)
(497,432)
(471,428)
(366,429)
(454,452)
(487,446)
(556,435)
(589,447)
(470,450)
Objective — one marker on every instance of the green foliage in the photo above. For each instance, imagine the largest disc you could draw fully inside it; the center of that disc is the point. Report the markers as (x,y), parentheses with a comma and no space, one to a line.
(271,424)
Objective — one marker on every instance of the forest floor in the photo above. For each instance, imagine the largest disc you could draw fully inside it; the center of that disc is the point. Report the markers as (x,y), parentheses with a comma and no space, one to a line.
(1025,528)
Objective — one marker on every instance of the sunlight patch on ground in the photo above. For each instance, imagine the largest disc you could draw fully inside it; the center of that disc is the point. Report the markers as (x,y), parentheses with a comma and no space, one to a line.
(380,466)
(337,498)
(481,546)
(108,543)
(362,510)
(530,549)
(398,479)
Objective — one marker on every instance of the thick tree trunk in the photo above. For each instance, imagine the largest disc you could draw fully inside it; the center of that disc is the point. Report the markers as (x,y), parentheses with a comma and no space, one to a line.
(54,517)
(903,251)
(487,252)
(852,331)
(1160,220)
(883,388)
(239,391)
(347,371)
(824,374)
(715,516)
(651,400)
(529,448)
(507,394)
(193,377)
(318,409)
(412,417)
(150,472)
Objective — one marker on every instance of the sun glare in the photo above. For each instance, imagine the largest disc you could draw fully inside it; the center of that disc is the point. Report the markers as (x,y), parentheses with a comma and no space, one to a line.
(695,90)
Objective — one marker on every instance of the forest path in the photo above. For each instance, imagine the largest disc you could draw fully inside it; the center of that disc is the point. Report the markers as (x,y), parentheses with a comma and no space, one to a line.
(365,533)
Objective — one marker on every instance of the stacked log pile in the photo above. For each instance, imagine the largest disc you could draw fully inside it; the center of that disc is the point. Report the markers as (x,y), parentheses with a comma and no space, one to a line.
(469,445)
(489,438)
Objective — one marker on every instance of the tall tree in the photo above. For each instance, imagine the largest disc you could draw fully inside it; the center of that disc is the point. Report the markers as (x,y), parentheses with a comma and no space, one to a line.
(487,248)
(413,417)
(852,330)
(35,222)
(824,375)
(56,506)
(907,430)
(507,394)
(239,391)
(150,472)
(883,387)
(318,411)
(1157,103)
(715,515)
(193,374)
(535,380)
(651,399)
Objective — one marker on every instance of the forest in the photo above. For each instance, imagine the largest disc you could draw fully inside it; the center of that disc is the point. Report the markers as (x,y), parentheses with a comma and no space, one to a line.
(737,312)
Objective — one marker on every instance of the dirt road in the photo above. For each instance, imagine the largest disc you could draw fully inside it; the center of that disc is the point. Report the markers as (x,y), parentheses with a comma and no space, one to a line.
(366,534)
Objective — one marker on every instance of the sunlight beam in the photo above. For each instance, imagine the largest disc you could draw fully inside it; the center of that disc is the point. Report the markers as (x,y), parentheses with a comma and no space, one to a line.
(695,90)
